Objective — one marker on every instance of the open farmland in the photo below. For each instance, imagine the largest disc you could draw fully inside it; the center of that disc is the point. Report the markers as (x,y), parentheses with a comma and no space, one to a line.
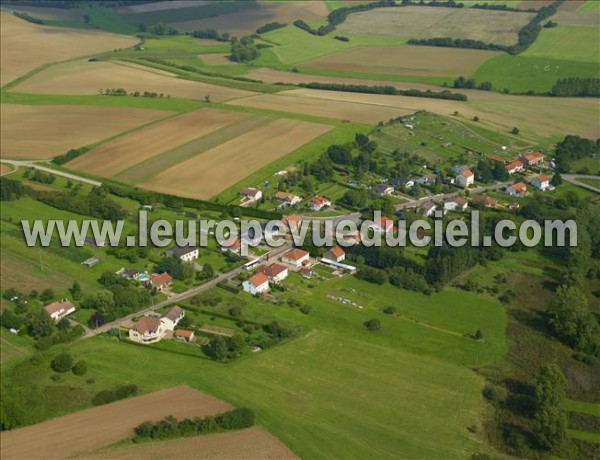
(490,26)
(83,77)
(44,131)
(251,443)
(568,44)
(92,428)
(247,21)
(116,156)
(26,46)
(577,18)
(404,60)
(212,171)
(572,115)
(160,6)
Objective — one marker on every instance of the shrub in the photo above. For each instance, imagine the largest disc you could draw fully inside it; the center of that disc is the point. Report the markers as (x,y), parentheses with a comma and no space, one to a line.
(373,325)
(306,309)
(80,368)
(389,310)
(63,362)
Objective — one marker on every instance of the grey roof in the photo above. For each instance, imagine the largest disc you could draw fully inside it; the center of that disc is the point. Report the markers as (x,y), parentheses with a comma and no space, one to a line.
(181,250)
(173,313)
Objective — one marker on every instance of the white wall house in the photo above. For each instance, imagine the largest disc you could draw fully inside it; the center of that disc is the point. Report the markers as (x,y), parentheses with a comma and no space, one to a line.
(256,284)
(541,182)
(317,203)
(185,253)
(465,178)
(295,257)
(276,272)
(172,317)
(58,310)
(456,204)
(336,254)
(147,330)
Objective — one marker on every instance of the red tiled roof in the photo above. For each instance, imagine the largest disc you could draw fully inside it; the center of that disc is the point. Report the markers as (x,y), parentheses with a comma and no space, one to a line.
(292,218)
(161,279)
(514,165)
(273,270)
(183,333)
(467,173)
(259,279)
(319,200)
(519,187)
(56,307)
(147,324)
(543,178)
(336,251)
(232,243)
(249,191)
(295,254)
(533,156)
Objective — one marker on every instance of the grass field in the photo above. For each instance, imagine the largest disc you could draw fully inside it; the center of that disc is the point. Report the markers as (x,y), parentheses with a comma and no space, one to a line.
(40,132)
(589,5)
(212,171)
(577,18)
(83,77)
(416,22)
(26,46)
(568,44)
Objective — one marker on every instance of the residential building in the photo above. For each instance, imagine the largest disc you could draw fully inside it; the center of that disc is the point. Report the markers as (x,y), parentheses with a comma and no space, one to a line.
(172,317)
(288,199)
(403,182)
(131,274)
(517,190)
(58,310)
(457,203)
(160,281)
(427,179)
(232,245)
(540,182)
(256,284)
(295,257)
(382,190)
(336,254)
(532,159)
(486,201)
(184,253)
(250,194)
(319,202)
(306,272)
(427,209)
(383,224)
(514,167)
(459,169)
(275,272)
(183,334)
(497,158)
(465,178)
(147,330)
(292,220)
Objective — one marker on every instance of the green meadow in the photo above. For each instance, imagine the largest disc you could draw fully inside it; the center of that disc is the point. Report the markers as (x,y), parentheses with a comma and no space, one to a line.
(581,44)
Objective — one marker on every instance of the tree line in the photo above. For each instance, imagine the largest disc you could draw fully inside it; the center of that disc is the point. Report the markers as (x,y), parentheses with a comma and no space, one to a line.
(576,87)
(27,17)
(387,89)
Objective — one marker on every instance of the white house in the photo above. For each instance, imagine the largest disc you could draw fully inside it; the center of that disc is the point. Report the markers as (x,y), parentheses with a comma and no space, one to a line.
(288,199)
(540,182)
(172,317)
(295,257)
(382,190)
(250,194)
(336,254)
(514,167)
(319,202)
(403,182)
(147,330)
(58,310)
(256,284)
(532,159)
(185,253)
(459,169)
(427,209)
(465,178)
(275,272)
(427,179)
(232,245)
(517,190)
(183,334)
(456,203)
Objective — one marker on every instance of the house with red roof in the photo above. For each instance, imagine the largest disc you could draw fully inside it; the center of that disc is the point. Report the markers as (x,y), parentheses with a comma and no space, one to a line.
(336,254)
(465,178)
(540,182)
(517,190)
(532,159)
(147,330)
(383,224)
(256,284)
(295,257)
(250,194)
(232,245)
(58,310)
(319,202)
(275,272)
(486,201)
(160,281)
(183,334)
(514,167)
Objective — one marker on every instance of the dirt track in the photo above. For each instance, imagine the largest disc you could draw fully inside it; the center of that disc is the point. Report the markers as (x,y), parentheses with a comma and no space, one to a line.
(90,429)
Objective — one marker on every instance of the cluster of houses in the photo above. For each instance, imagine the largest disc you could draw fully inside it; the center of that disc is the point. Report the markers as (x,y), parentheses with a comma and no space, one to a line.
(152,329)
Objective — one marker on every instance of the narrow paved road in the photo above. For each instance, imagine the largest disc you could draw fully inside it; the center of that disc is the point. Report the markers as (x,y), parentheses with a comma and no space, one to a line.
(38,165)
(184,295)
(574,179)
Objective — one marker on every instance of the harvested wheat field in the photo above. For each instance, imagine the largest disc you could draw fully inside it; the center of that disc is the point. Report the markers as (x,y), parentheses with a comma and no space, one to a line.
(339,110)
(490,26)
(160,6)
(404,60)
(26,46)
(578,18)
(90,429)
(214,170)
(247,21)
(113,157)
(83,77)
(35,132)
(5,169)
(250,444)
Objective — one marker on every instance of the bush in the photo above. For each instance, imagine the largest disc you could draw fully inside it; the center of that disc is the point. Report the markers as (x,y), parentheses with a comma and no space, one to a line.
(373,325)
(389,310)
(108,396)
(306,309)
(495,394)
(63,362)
(80,368)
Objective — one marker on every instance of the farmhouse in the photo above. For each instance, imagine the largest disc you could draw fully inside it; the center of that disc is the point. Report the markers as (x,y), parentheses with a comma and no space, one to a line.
(288,199)
(183,334)
(160,281)
(295,257)
(256,284)
(514,167)
(457,203)
(172,317)
(382,190)
(275,272)
(250,195)
(232,245)
(465,178)
(335,254)
(486,201)
(532,159)
(540,182)
(58,310)
(147,330)
(317,203)
(403,182)
(517,190)
(184,253)
(427,209)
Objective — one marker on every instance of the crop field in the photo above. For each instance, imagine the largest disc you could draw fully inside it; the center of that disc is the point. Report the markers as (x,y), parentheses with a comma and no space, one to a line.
(568,44)
(207,174)
(160,6)
(245,22)
(92,428)
(216,59)
(41,132)
(83,77)
(404,60)
(26,46)
(577,18)
(490,26)
(244,444)
(116,156)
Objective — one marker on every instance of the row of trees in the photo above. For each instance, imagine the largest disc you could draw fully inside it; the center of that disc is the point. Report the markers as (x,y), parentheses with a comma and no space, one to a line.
(470,83)
(577,87)
(269,27)
(96,203)
(387,89)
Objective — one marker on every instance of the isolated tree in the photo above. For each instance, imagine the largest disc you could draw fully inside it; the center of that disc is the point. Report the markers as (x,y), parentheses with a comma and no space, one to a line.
(62,363)
(208,271)
(80,368)
(373,325)
(47,295)
(515,130)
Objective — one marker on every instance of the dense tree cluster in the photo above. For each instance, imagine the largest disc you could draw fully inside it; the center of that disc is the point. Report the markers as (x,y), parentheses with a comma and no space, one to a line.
(550,421)
(120,392)
(244,50)
(10,189)
(576,87)
(448,42)
(96,203)
(488,171)
(387,89)
(573,148)
(212,34)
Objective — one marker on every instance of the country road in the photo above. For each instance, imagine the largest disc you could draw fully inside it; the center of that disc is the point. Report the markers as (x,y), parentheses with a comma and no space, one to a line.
(37,165)
(573,179)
